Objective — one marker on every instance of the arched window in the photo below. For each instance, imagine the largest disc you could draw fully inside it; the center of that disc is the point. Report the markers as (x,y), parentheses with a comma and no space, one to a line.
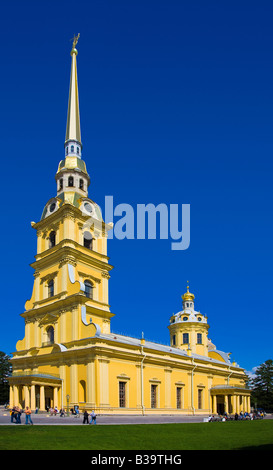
(61,184)
(78,151)
(88,240)
(70,181)
(52,239)
(50,288)
(50,334)
(72,148)
(81,183)
(88,289)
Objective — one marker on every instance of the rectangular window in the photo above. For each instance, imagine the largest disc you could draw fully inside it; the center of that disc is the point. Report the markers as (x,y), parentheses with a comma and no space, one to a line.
(199,338)
(174,340)
(153,396)
(51,288)
(200,398)
(185,338)
(178,397)
(122,394)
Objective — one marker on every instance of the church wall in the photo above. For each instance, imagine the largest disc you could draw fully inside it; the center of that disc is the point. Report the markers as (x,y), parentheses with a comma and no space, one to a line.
(66,328)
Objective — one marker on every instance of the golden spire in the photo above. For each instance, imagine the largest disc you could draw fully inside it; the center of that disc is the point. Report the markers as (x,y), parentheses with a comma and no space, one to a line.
(73,129)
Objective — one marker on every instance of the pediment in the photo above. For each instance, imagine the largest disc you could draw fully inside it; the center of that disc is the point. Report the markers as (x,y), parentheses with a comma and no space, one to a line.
(48,319)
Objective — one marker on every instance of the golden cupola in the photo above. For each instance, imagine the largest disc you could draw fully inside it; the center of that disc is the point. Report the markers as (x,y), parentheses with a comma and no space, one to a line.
(188,328)
(188,298)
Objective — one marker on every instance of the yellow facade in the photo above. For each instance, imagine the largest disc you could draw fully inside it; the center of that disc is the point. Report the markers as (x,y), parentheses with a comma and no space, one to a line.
(70,357)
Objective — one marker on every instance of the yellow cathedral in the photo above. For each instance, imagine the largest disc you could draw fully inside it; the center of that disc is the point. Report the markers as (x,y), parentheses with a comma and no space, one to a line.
(69,356)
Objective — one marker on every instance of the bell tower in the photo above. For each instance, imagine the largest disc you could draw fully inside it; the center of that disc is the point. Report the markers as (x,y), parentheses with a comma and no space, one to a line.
(189,328)
(69,301)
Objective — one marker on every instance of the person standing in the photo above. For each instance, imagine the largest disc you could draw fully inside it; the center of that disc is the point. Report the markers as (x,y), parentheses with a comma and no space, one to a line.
(85,417)
(18,415)
(28,415)
(12,415)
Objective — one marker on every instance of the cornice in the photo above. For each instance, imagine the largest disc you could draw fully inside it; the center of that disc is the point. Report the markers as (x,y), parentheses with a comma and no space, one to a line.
(61,251)
(59,303)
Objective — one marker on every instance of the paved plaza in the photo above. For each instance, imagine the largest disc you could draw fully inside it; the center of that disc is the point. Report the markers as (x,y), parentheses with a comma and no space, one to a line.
(46,419)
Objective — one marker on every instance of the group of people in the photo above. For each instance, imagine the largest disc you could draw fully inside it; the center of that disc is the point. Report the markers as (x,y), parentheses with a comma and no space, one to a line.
(93,417)
(87,418)
(16,412)
(237,417)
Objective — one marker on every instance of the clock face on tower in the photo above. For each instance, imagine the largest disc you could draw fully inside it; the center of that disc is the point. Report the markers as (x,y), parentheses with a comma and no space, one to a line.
(52,207)
(89,208)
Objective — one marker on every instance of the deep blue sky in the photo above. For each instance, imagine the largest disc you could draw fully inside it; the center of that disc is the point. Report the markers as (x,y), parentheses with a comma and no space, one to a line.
(176,107)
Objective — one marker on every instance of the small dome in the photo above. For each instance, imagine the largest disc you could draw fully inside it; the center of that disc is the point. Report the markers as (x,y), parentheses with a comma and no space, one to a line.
(188,296)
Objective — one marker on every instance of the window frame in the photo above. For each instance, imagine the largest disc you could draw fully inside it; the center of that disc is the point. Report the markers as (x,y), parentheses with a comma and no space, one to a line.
(50,286)
(52,239)
(122,386)
(88,283)
(178,398)
(185,336)
(50,332)
(154,396)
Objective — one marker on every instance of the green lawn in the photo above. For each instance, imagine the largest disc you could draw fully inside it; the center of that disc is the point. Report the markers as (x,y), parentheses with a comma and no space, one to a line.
(243,435)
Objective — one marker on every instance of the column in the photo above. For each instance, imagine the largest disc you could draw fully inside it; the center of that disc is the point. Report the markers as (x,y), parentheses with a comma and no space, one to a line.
(90,384)
(248,404)
(42,398)
(168,388)
(226,403)
(233,401)
(63,370)
(32,397)
(139,389)
(63,276)
(74,384)
(37,285)
(214,404)
(16,395)
(104,382)
(245,403)
(238,404)
(11,397)
(26,395)
(75,322)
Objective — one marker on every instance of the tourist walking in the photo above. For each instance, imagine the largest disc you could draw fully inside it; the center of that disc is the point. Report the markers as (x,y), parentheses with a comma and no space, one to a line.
(93,417)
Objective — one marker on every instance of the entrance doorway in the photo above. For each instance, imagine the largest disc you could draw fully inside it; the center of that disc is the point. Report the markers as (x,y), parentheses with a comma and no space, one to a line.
(48,397)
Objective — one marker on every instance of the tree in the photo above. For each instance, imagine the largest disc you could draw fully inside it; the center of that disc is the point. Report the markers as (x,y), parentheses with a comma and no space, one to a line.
(262,386)
(5,372)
